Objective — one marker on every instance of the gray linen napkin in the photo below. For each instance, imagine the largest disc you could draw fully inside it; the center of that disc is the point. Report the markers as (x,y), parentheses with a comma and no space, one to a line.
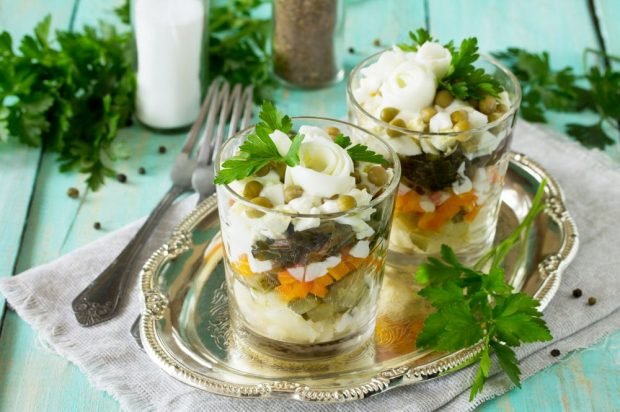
(112,361)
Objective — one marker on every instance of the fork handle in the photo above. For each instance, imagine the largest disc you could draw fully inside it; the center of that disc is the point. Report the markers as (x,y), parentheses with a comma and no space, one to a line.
(100,300)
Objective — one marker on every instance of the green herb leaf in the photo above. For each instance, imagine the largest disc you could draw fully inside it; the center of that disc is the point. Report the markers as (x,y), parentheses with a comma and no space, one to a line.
(292,156)
(590,136)
(465,81)
(362,153)
(274,119)
(343,141)
(547,89)
(239,47)
(69,92)
(508,361)
(484,367)
(359,152)
(258,150)
(418,38)
(472,305)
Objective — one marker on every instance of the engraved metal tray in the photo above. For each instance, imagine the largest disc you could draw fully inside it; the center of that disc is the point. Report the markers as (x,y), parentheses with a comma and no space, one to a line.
(185,327)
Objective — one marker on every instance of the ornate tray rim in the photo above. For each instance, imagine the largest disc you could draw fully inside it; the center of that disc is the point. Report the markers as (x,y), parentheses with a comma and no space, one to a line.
(155,303)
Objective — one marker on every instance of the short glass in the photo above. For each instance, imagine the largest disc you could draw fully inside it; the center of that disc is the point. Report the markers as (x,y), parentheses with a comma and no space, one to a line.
(450,191)
(272,311)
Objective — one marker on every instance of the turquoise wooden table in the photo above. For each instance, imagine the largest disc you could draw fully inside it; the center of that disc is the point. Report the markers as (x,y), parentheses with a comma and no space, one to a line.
(39,222)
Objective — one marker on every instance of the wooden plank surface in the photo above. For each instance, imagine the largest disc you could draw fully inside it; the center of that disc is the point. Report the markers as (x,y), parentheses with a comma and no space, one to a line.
(561,27)
(32,378)
(20,163)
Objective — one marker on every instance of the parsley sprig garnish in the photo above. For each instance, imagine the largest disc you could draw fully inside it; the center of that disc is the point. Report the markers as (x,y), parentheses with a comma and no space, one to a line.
(562,90)
(463,80)
(258,150)
(474,304)
(359,152)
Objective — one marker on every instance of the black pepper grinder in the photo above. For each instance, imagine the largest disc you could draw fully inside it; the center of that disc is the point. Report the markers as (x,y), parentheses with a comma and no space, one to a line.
(308,42)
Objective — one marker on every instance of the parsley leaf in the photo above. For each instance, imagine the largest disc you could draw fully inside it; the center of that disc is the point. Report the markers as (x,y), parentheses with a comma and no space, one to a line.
(590,136)
(259,150)
(418,38)
(292,156)
(359,152)
(68,92)
(343,141)
(561,90)
(362,153)
(465,81)
(472,305)
(542,87)
(239,46)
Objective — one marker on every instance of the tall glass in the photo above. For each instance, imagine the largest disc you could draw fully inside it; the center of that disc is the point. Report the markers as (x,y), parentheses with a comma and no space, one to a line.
(450,187)
(273,311)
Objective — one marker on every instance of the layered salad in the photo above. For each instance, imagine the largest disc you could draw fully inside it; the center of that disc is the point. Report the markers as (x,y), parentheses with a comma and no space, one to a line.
(305,212)
(448,115)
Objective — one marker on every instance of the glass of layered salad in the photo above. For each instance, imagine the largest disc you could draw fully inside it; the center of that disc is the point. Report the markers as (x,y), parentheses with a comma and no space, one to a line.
(305,206)
(449,114)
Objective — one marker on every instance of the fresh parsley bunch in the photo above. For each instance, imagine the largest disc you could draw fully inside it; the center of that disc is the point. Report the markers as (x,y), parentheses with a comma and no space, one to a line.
(258,150)
(561,90)
(476,304)
(463,80)
(239,47)
(69,93)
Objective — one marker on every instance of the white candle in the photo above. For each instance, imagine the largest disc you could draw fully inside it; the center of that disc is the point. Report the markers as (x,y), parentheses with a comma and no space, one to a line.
(169,41)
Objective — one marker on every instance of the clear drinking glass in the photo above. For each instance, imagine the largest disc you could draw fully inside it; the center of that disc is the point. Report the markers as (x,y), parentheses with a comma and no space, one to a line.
(450,191)
(274,312)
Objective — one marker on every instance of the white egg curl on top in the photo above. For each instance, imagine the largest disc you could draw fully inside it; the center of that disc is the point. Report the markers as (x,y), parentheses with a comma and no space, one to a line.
(435,57)
(325,168)
(410,87)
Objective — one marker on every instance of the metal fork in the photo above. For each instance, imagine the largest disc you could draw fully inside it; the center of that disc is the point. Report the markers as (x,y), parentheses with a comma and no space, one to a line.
(228,106)
(99,301)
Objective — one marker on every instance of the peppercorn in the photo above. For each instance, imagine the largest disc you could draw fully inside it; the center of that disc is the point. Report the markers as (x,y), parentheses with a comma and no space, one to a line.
(577,293)
(97,225)
(351,50)
(73,193)
(121,177)
(141,170)
(162,149)
(376,42)
(555,353)
(591,301)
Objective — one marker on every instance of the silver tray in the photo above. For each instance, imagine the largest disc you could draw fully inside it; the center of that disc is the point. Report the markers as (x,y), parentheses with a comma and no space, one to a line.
(185,327)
